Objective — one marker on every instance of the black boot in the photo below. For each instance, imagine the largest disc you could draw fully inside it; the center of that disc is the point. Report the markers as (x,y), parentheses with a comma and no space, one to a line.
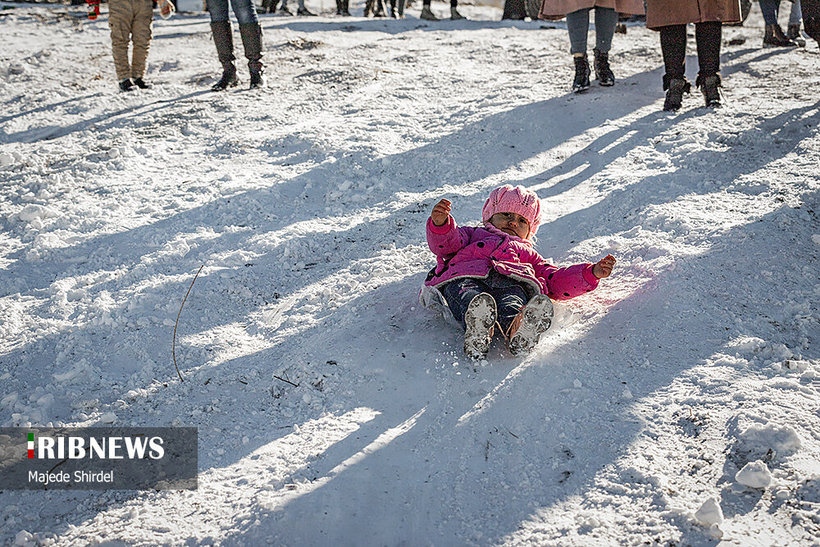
(346,8)
(140,83)
(223,39)
(251,34)
(126,85)
(709,86)
(675,88)
(793,34)
(603,73)
(227,80)
(581,81)
(773,37)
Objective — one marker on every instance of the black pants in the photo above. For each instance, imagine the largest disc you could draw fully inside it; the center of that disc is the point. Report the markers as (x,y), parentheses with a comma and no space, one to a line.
(509,296)
(673,46)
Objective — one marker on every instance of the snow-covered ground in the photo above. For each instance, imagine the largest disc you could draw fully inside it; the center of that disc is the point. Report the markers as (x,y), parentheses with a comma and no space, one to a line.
(677,404)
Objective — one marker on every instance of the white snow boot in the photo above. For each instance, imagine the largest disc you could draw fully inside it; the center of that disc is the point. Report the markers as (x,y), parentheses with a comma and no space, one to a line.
(479,319)
(530,323)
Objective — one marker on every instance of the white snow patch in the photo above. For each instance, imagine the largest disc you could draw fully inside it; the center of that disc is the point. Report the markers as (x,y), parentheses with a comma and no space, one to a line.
(709,513)
(754,474)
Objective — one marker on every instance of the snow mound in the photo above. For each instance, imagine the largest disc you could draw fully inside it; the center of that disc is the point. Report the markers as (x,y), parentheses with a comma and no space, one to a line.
(769,439)
(709,513)
(754,475)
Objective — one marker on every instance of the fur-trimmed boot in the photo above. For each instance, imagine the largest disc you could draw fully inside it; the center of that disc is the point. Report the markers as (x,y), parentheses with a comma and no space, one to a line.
(710,87)
(251,34)
(223,39)
(675,88)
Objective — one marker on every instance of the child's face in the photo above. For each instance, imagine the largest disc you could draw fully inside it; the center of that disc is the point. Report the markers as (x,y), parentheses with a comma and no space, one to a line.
(511,223)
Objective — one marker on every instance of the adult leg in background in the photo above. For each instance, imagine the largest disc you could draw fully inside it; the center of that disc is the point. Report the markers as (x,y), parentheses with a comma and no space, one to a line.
(793,30)
(773,35)
(605,21)
(673,48)
(578,28)
(251,33)
(223,40)
(707,36)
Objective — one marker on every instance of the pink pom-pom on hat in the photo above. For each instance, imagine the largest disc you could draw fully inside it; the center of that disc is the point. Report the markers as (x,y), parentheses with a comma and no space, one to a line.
(508,199)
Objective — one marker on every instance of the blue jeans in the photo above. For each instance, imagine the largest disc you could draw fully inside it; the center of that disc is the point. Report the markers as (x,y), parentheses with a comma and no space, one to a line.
(509,295)
(771,8)
(578,27)
(796,14)
(244,10)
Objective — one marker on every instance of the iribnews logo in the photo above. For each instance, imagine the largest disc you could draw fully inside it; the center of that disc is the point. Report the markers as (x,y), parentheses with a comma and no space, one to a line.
(98,458)
(42,447)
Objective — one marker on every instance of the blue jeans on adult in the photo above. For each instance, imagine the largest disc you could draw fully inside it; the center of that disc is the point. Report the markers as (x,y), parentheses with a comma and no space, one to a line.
(244,10)
(509,295)
(770,9)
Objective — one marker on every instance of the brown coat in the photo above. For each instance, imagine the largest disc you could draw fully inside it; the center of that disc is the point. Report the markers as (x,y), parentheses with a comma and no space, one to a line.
(554,8)
(661,13)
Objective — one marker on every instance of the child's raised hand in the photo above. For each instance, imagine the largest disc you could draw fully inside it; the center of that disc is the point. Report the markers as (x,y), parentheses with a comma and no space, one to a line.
(604,267)
(441,212)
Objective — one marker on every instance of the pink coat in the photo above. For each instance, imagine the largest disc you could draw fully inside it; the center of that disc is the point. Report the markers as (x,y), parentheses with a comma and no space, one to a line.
(555,8)
(473,252)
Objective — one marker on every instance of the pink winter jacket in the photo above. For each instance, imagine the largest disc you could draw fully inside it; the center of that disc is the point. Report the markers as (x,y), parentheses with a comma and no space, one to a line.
(473,252)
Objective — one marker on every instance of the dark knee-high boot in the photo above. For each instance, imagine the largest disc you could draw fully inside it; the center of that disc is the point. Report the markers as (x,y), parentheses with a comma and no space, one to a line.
(708,36)
(673,47)
(223,39)
(251,34)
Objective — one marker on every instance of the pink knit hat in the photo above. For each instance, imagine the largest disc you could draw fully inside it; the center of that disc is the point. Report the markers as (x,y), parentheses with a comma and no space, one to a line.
(506,199)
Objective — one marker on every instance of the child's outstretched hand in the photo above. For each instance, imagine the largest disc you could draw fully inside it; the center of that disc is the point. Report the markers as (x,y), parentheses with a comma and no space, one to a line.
(441,212)
(604,267)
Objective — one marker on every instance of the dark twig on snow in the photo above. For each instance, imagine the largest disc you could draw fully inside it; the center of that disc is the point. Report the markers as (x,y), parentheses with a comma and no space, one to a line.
(174,344)
(286,381)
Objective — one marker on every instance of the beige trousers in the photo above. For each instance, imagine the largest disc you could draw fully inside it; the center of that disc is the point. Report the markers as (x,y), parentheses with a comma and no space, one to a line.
(130,20)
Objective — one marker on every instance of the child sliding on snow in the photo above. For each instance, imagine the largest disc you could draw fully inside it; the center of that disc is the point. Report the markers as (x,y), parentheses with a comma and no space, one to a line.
(491,275)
